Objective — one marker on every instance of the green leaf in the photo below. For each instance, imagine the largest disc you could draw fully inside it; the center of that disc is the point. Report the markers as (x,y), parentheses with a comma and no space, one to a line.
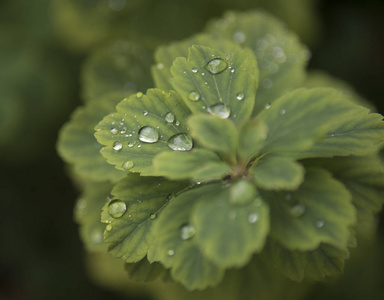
(199,164)
(130,216)
(78,146)
(319,264)
(175,245)
(87,214)
(277,173)
(320,211)
(302,117)
(362,176)
(231,225)
(281,58)
(122,68)
(251,139)
(145,271)
(142,127)
(217,82)
(214,133)
(165,55)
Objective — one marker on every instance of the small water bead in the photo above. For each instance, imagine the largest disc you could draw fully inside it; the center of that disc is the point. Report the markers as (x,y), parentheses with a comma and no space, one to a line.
(220,110)
(240,96)
(130,144)
(117,208)
(202,73)
(216,66)
(160,66)
(139,94)
(117,146)
(177,123)
(283,111)
(252,218)
(152,216)
(114,131)
(297,210)
(138,146)
(232,70)
(187,232)
(124,130)
(129,164)
(180,142)
(145,113)
(169,117)
(171,252)
(194,96)
(109,227)
(195,70)
(239,37)
(148,134)
(320,224)
(267,105)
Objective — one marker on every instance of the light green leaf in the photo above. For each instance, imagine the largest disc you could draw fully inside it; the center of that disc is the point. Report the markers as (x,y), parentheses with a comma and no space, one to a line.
(281,58)
(142,127)
(277,173)
(145,271)
(214,133)
(319,264)
(320,211)
(78,146)
(130,216)
(223,84)
(251,139)
(87,214)
(198,164)
(165,55)
(299,119)
(122,68)
(231,225)
(175,244)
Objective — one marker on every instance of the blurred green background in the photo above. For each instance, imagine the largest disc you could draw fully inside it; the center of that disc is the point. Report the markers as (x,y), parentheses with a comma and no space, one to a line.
(43,44)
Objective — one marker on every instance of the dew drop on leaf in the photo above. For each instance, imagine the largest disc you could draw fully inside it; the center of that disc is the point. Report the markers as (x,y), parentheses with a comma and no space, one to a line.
(240,96)
(267,105)
(152,216)
(216,66)
(171,252)
(117,146)
(169,117)
(233,71)
(117,208)
(297,210)
(283,111)
(139,94)
(128,165)
(219,110)
(194,96)
(145,113)
(130,144)
(114,131)
(180,142)
(320,224)
(252,218)
(194,70)
(109,227)
(148,134)
(187,232)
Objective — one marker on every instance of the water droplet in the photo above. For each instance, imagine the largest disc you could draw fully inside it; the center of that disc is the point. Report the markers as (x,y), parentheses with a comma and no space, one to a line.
(233,71)
(267,83)
(169,117)
(252,218)
(148,134)
(177,123)
(152,216)
(171,252)
(194,70)
(117,146)
(187,232)
(297,210)
(117,208)
(114,131)
(240,96)
(320,224)
(160,66)
(242,192)
(216,66)
(145,113)
(267,105)
(202,73)
(109,227)
(194,96)
(130,144)
(283,111)
(239,37)
(97,236)
(128,165)
(139,94)
(180,142)
(124,130)
(220,110)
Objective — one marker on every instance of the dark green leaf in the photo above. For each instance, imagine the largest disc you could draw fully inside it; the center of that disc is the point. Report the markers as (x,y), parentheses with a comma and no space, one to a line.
(145,271)
(223,84)
(142,127)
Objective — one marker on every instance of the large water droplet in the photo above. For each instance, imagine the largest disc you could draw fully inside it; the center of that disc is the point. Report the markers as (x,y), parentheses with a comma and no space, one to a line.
(180,142)
(220,110)
(194,70)
(169,117)
(117,208)
(129,164)
(117,146)
(297,210)
(114,130)
(240,96)
(148,134)
(194,96)
(252,218)
(187,232)
(216,66)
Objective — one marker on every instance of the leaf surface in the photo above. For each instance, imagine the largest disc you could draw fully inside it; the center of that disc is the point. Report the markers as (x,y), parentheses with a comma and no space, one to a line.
(145,271)
(251,139)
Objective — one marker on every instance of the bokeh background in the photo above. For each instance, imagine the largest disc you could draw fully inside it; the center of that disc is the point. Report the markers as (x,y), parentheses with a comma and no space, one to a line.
(43,44)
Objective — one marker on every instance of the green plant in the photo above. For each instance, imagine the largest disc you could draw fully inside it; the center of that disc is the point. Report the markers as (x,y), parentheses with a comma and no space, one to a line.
(230,173)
